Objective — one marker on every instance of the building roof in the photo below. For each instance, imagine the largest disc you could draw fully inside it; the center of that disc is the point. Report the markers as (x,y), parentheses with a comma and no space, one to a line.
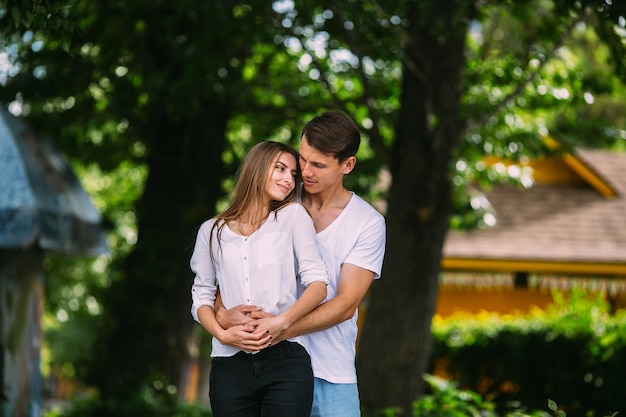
(41,200)
(572,228)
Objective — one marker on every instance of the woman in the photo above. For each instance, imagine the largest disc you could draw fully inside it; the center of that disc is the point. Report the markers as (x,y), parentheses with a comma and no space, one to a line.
(256,251)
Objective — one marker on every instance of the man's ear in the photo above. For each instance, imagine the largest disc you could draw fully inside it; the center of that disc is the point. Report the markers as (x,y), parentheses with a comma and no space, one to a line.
(348,165)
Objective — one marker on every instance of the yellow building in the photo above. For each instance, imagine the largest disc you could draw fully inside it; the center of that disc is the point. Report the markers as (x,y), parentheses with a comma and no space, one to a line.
(568,228)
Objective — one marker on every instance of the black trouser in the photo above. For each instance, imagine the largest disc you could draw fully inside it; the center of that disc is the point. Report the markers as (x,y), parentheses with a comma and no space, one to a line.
(275,382)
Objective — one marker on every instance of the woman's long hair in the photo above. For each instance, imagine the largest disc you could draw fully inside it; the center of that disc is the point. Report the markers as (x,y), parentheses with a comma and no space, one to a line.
(252,177)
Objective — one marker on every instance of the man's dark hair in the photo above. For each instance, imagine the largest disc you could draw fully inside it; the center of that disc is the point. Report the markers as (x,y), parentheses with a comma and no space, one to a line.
(333,133)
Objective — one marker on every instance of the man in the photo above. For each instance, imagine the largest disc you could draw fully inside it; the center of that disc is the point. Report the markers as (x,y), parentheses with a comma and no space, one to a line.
(351,237)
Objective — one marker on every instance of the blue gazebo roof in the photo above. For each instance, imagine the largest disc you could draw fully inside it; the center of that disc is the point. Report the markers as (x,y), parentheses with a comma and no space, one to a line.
(41,200)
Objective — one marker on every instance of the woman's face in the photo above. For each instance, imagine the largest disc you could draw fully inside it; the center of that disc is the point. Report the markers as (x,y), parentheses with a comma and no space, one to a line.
(282,177)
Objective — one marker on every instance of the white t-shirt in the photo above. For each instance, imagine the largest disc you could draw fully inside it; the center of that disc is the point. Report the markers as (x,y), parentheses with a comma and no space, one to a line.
(357,236)
(263,269)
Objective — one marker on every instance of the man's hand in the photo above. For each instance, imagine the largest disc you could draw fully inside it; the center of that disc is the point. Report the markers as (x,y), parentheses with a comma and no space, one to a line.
(239,315)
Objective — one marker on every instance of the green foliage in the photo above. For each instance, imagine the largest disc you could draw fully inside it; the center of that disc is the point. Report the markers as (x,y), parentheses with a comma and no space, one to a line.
(552,406)
(447,400)
(49,16)
(573,352)
(523,82)
(73,314)
(560,413)
(154,401)
(595,117)
(444,398)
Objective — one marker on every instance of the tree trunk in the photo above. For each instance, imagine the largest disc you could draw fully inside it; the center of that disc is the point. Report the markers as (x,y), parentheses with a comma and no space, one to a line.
(151,327)
(395,344)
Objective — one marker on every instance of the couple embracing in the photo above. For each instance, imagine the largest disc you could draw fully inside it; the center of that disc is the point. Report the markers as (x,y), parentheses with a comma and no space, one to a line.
(279,276)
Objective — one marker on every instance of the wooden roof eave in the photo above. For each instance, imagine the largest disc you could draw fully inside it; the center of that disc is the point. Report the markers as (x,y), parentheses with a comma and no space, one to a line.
(589,176)
(615,269)
(583,170)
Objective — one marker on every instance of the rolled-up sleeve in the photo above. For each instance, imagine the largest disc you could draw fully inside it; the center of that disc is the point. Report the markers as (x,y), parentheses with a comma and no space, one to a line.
(204,288)
(311,267)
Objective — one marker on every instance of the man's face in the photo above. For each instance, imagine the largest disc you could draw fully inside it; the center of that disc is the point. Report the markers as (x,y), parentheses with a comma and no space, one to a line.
(320,171)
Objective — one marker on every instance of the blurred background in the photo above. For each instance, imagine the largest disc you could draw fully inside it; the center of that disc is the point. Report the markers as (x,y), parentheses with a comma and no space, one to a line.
(494,142)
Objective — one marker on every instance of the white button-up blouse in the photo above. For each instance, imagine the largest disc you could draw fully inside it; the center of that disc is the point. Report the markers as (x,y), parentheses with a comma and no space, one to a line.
(262,269)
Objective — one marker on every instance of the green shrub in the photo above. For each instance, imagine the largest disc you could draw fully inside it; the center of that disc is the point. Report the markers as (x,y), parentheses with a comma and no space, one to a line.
(150,402)
(447,400)
(575,351)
